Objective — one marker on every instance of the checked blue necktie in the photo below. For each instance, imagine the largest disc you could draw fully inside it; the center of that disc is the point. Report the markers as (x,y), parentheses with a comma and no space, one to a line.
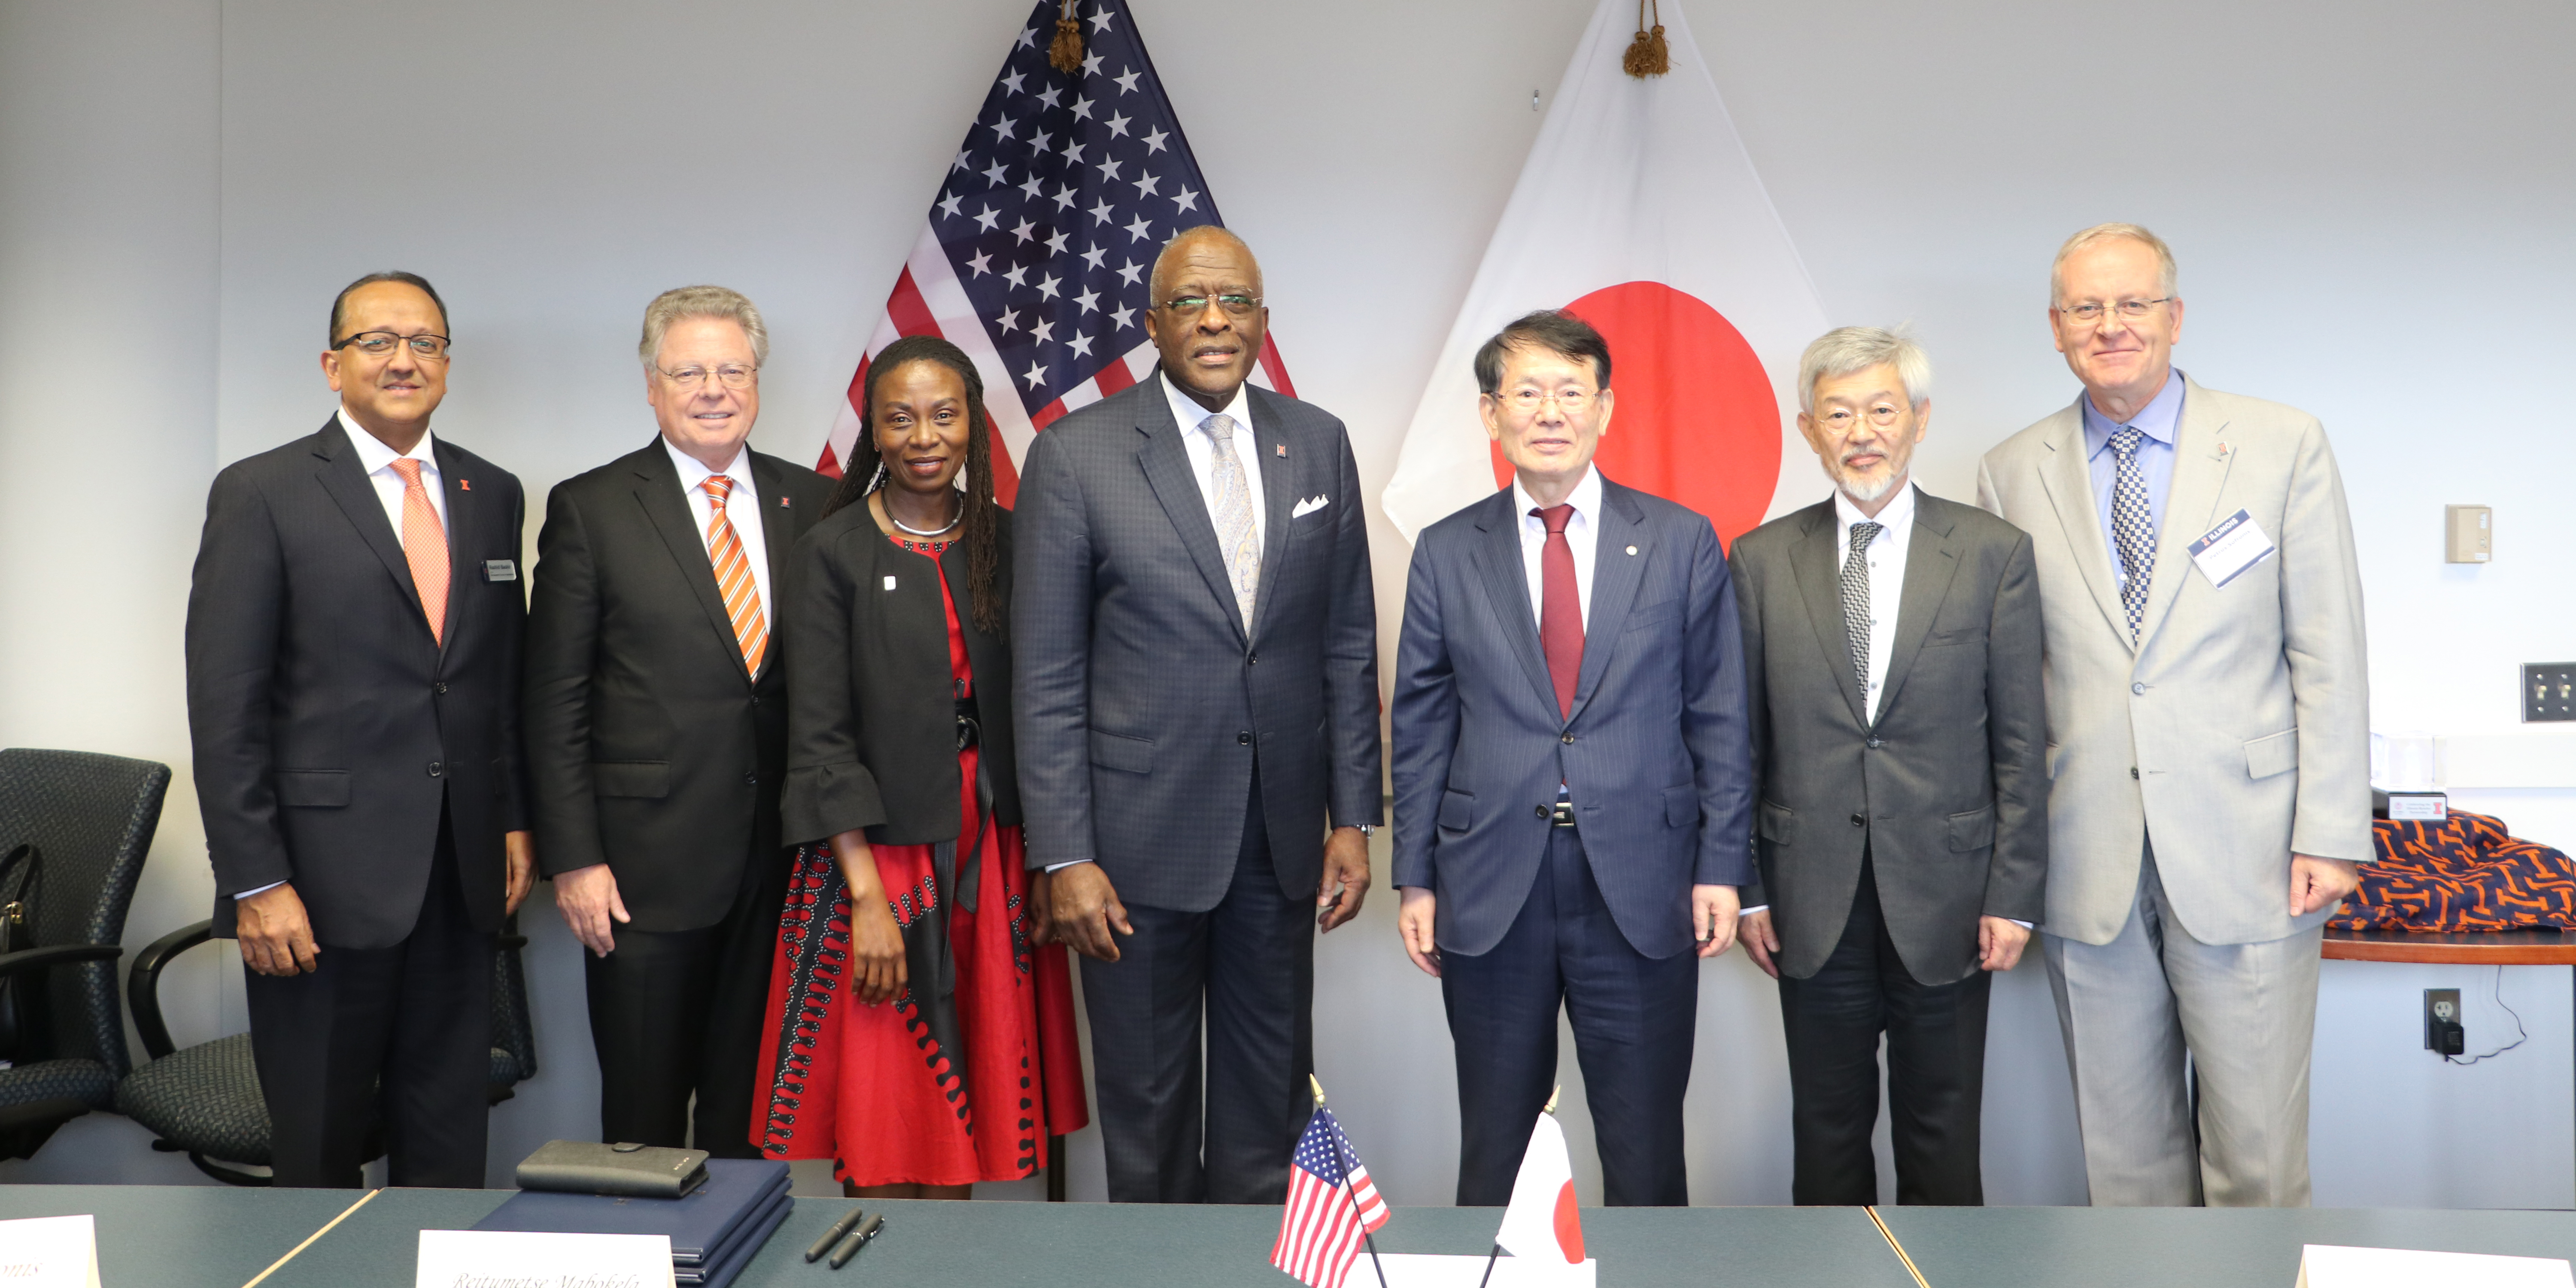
(2133,525)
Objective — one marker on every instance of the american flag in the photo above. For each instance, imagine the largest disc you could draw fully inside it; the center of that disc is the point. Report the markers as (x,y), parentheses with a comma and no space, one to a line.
(1320,1234)
(1036,253)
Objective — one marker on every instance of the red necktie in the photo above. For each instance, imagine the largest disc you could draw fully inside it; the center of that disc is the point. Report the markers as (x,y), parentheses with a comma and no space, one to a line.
(1560,612)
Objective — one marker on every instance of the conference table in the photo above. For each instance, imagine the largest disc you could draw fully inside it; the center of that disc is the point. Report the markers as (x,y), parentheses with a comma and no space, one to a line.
(209,1237)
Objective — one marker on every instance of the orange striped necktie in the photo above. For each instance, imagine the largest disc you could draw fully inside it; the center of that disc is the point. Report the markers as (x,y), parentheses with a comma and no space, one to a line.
(733,575)
(424,547)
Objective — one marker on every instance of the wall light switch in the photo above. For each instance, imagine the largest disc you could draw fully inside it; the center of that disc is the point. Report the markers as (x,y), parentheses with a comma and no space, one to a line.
(2468,534)
(2548,691)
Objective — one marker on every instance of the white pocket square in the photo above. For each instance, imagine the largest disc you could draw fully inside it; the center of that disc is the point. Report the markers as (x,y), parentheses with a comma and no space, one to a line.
(1309,506)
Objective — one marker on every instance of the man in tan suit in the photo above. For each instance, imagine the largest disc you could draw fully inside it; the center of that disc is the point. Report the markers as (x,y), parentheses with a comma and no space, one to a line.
(2208,717)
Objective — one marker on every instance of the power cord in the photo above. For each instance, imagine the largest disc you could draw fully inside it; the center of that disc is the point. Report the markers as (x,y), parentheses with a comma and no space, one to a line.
(2521,1034)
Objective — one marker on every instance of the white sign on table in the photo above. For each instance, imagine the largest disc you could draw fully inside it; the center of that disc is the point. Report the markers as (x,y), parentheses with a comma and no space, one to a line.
(49,1252)
(2328,1266)
(514,1259)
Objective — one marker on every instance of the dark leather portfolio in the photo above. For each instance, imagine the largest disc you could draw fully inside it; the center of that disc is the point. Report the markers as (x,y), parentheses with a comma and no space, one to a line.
(705,1227)
(632,1171)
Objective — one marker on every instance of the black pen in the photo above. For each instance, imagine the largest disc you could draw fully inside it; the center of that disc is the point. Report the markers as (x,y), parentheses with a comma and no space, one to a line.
(858,1239)
(833,1235)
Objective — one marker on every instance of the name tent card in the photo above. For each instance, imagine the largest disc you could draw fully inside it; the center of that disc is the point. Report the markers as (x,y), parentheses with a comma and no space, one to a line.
(49,1252)
(515,1259)
(2327,1266)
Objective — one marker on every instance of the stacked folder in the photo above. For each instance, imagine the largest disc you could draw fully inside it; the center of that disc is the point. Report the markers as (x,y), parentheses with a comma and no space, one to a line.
(714,1231)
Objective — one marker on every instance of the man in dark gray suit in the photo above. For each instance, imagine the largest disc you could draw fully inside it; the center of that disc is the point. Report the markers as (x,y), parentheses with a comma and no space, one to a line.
(1892,644)
(1195,647)
(1573,779)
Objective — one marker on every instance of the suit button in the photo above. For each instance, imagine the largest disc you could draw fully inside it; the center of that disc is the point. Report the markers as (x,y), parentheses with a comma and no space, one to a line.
(1243,739)
(1253,659)
(1859,821)
(751,780)
(755,699)
(435,769)
(2133,771)
(440,687)
(1566,738)
(1541,811)
(2137,688)
(1875,744)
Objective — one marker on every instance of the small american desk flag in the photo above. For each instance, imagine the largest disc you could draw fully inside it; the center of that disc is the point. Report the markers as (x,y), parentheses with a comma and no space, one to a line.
(1321,1233)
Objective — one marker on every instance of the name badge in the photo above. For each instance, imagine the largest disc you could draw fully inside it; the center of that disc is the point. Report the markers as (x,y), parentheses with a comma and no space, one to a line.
(500,570)
(2226,551)
(515,1259)
(49,1252)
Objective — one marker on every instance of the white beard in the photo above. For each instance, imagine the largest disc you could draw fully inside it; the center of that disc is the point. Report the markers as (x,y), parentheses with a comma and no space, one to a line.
(1867,492)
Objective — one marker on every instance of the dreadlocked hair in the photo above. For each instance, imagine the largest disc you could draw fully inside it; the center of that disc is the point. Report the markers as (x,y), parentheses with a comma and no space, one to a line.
(981,521)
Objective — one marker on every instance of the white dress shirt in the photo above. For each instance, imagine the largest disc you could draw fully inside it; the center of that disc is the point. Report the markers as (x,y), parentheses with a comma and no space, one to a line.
(743,508)
(1886,556)
(1192,419)
(1582,536)
(378,461)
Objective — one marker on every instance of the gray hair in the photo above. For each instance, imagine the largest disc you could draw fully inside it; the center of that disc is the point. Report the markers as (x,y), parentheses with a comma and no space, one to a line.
(2112,232)
(701,302)
(1195,232)
(1849,350)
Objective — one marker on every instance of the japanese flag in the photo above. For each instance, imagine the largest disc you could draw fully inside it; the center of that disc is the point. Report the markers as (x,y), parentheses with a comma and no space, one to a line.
(1542,1229)
(1638,211)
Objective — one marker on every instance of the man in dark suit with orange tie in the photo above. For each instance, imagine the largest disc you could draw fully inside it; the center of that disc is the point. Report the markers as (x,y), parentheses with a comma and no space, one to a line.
(657,728)
(353,638)
(1573,776)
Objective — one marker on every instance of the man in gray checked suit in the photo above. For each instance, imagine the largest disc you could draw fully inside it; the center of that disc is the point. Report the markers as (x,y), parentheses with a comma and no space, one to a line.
(1892,650)
(2208,719)
(1195,647)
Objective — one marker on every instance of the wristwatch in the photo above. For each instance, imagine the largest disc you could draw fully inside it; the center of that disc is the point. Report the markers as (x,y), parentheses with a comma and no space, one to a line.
(1366,829)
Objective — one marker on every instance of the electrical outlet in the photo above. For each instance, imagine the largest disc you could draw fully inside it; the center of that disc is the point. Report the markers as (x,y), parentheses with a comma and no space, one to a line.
(2548,691)
(2443,1034)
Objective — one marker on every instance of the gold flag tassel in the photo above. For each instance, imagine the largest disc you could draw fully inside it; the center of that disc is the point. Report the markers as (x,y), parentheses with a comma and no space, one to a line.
(1647,54)
(1064,53)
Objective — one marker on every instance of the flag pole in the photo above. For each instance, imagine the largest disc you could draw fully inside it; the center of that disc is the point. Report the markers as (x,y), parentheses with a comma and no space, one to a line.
(1343,1166)
(1548,1108)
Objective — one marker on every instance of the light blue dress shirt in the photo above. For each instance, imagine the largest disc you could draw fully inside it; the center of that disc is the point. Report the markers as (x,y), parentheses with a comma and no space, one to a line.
(2159,420)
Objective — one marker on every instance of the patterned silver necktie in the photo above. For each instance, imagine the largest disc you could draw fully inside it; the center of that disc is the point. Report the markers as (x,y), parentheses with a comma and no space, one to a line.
(2133,525)
(1230,505)
(1856,601)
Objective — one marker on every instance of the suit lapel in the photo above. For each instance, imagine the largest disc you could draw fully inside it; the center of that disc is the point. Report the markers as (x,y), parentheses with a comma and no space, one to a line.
(1620,527)
(463,509)
(657,489)
(1166,463)
(1278,497)
(2067,476)
(2191,504)
(1816,563)
(1931,563)
(1498,559)
(778,533)
(346,480)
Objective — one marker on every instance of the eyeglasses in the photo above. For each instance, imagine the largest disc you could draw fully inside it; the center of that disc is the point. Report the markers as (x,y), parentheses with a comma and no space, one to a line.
(733,375)
(2128,310)
(376,344)
(1841,419)
(1235,306)
(1528,401)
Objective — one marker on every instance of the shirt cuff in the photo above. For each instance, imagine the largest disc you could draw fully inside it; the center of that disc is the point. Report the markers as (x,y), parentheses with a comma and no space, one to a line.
(1759,907)
(1068,863)
(2018,922)
(262,890)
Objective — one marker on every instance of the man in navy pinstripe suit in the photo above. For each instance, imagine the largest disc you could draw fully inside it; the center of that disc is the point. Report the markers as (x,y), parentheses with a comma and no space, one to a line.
(1573,776)
(1194,647)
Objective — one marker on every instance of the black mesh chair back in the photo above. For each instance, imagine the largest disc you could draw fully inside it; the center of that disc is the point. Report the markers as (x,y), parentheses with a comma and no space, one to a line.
(92,818)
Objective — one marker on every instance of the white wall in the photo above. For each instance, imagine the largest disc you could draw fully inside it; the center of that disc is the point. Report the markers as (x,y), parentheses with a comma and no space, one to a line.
(2368,202)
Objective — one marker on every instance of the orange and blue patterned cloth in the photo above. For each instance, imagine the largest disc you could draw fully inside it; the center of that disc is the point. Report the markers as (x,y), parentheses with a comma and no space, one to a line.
(2463,873)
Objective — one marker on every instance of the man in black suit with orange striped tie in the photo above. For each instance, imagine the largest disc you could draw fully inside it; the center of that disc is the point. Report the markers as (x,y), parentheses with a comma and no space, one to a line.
(354,627)
(657,728)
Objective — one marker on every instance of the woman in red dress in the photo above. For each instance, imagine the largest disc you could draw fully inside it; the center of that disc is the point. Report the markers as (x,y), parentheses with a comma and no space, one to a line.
(923,1036)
